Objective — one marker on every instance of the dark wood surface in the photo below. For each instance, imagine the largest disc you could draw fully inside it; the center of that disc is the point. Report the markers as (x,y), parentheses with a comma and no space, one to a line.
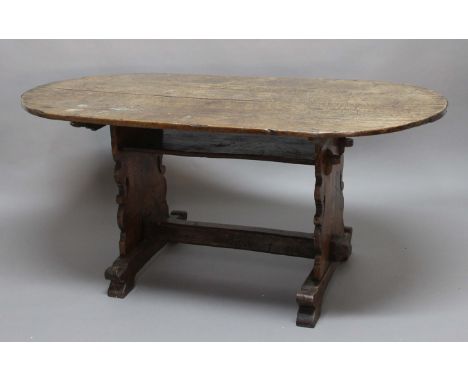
(303,107)
(332,240)
(146,225)
(305,121)
(239,146)
(289,243)
(142,205)
(221,145)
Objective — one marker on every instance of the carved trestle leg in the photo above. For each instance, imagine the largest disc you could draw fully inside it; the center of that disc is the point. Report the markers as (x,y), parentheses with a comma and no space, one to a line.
(145,228)
(142,207)
(332,240)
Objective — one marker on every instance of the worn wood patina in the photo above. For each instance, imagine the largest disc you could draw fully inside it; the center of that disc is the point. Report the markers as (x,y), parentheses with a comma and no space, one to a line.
(303,121)
(288,106)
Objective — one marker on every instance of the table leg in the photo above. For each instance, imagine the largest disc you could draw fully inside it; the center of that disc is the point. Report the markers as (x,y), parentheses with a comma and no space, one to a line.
(332,240)
(142,207)
(145,226)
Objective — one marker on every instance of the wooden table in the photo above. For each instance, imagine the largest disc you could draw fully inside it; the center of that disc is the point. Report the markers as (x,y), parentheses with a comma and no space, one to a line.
(304,121)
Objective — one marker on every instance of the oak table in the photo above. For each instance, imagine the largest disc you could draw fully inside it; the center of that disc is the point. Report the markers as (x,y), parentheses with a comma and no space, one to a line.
(295,120)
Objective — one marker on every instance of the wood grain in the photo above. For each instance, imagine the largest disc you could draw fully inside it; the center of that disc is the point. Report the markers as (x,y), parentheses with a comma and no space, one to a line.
(289,243)
(259,105)
(142,206)
(332,240)
(275,148)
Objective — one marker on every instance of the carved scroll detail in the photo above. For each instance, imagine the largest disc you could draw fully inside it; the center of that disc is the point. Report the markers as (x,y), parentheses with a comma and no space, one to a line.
(329,202)
(142,207)
(332,240)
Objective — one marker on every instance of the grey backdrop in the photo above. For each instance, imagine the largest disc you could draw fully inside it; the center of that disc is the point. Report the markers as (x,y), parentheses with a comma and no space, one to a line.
(405,195)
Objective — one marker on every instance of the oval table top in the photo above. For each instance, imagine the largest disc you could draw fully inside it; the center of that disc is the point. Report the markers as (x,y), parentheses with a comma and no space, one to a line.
(303,107)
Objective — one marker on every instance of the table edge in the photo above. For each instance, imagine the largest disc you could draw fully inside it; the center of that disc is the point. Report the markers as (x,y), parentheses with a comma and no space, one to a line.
(234,130)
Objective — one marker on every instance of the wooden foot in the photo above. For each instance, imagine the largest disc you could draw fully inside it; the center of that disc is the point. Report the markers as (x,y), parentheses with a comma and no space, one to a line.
(123,271)
(120,289)
(310,297)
